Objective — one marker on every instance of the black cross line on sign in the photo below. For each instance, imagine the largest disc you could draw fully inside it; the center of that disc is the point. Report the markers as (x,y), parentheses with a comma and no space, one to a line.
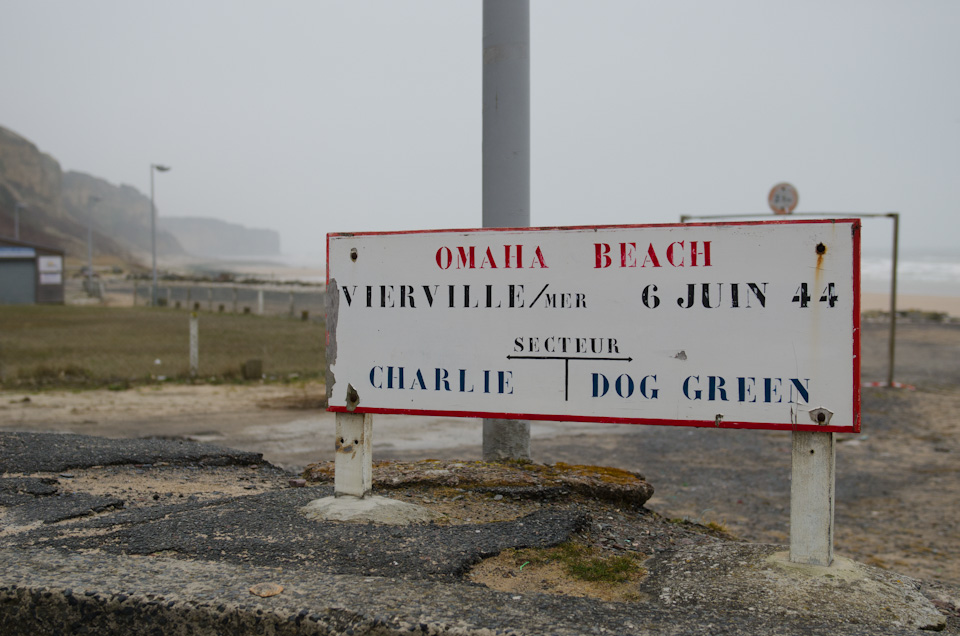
(566,367)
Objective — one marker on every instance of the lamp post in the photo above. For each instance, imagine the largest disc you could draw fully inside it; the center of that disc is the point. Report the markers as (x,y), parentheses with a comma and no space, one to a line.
(16,218)
(91,201)
(153,232)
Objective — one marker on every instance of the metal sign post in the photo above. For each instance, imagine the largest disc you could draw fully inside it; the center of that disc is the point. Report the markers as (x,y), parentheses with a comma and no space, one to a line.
(812,490)
(353,465)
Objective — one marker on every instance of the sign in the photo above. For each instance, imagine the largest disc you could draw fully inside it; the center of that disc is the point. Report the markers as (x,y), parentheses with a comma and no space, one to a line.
(783,198)
(51,270)
(732,325)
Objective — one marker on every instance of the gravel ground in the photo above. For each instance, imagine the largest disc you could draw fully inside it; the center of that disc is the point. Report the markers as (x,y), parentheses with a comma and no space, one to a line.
(896,485)
(186,544)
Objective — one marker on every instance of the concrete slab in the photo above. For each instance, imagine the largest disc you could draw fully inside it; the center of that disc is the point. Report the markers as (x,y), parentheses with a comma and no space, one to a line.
(200,527)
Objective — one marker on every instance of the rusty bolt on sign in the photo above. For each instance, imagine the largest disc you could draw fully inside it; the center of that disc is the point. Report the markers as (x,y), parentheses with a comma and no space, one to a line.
(353,398)
(821,416)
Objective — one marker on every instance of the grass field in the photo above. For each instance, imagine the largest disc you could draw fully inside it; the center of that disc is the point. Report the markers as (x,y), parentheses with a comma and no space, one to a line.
(69,345)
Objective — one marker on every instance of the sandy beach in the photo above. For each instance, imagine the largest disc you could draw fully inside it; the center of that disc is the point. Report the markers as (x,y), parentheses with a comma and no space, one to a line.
(905,302)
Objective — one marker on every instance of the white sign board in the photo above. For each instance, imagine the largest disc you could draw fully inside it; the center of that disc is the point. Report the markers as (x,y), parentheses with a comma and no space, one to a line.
(51,270)
(734,325)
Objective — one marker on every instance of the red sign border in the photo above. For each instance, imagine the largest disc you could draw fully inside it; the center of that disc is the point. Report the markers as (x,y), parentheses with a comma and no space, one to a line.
(770,426)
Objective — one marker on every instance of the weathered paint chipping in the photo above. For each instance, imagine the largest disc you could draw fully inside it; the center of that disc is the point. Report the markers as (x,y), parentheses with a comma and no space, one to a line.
(331,304)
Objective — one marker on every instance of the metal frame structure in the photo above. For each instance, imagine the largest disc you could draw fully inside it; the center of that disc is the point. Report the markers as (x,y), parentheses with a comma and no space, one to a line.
(895,216)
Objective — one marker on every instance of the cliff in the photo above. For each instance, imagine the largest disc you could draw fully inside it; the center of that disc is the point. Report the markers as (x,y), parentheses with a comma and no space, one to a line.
(57,209)
(122,212)
(28,175)
(41,204)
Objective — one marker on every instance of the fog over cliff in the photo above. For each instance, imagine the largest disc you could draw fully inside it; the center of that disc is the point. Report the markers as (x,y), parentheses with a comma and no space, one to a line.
(212,237)
(48,206)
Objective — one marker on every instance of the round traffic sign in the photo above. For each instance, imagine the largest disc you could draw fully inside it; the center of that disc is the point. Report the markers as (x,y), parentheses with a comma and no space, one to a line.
(783,198)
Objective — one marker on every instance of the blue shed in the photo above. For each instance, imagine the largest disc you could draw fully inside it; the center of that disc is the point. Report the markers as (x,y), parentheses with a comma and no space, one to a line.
(30,273)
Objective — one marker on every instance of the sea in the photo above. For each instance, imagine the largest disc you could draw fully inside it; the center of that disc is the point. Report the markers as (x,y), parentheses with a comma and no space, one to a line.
(919,272)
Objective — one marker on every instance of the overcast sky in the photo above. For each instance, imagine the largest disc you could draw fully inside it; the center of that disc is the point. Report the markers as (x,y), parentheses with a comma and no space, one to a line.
(317,116)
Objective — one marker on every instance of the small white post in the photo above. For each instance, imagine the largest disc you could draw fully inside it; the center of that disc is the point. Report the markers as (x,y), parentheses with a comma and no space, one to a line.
(259,302)
(234,300)
(194,345)
(169,304)
(353,467)
(812,491)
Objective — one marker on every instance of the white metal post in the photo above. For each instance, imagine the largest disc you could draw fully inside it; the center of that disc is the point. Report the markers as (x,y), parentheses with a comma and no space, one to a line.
(506,161)
(91,201)
(812,491)
(893,297)
(194,345)
(353,466)
(89,254)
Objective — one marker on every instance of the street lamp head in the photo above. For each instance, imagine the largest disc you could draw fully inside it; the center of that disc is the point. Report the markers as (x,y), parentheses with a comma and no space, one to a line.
(160,168)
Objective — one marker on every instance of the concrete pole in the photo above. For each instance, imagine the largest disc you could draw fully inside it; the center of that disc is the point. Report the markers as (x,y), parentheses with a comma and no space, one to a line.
(506,161)
(812,492)
(353,465)
(506,113)
(259,302)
